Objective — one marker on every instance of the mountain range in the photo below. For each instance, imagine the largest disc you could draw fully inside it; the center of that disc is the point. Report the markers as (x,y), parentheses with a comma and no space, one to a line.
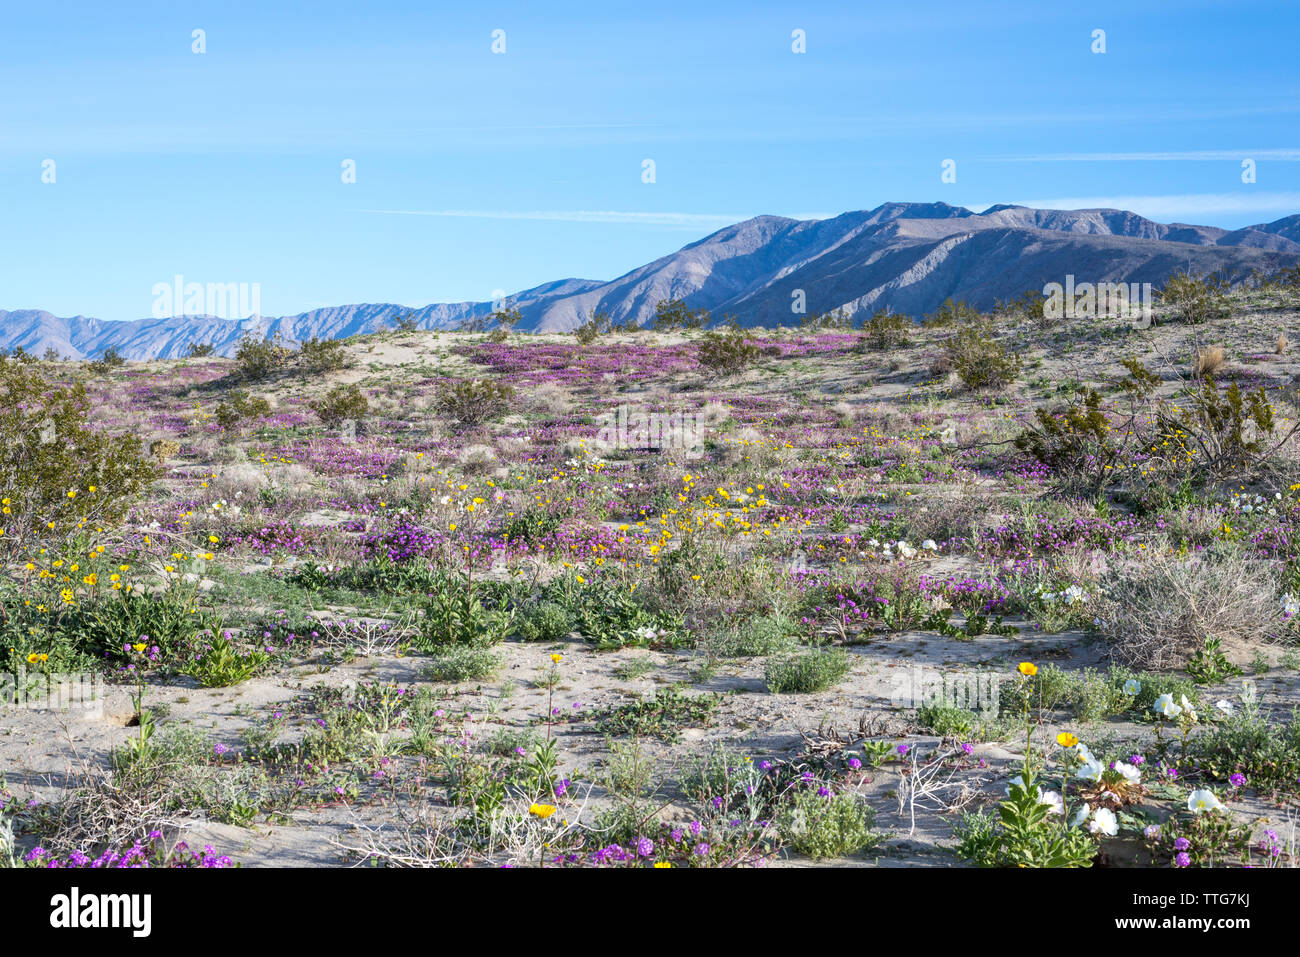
(909,257)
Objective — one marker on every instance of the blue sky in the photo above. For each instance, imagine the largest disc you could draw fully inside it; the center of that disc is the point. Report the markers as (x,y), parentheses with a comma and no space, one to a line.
(478,172)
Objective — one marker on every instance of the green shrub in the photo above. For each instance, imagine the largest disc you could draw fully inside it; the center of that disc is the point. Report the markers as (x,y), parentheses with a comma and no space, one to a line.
(465,663)
(765,635)
(662,715)
(545,621)
(596,325)
(219,664)
(1225,431)
(953,314)
(947,721)
(318,355)
(1245,742)
(1194,299)
(887,329)
(725,353)
(828,827)
(608,613)
(673,314)
(807,671)
(1091,694)
(980,360)
(454,615)
(340,404)
(56,467)
(258,356)
(239,409)
(474,401)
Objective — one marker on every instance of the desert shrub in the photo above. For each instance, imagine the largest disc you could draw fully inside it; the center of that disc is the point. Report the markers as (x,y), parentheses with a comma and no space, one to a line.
(507,317)
(673,314)
(1030,305)
(886,329)
(474,401)
(980,360)
(836,319)
(464,663)
(1077,442)
(199,350)
(762,636)
(1217,432)
(608,613)
(1280,344)
(1194,300)
(823,827)
(1246,742)
(545,621)
(596,325)
(239,409)
(95,630)
(161,450)
(405,324)
(947,720)
(259,356)
(725,353)
(340,404)
(1090,694)
(953,314)
(318,355)
(808,671)
(55,466)
(1159,614)
(110,359)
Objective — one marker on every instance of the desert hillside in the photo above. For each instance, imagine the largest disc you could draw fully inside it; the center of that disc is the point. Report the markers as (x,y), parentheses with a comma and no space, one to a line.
(678,597)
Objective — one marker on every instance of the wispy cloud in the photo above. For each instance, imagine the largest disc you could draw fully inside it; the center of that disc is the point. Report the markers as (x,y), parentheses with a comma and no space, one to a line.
(1177,206)
(1279,155)
(623,217)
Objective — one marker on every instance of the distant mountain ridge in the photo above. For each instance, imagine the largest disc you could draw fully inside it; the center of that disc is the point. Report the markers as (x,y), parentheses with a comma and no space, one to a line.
(907,256)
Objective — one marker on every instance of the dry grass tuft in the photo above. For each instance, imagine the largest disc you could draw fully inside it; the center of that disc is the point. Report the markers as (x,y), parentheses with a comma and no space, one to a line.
(1208,361)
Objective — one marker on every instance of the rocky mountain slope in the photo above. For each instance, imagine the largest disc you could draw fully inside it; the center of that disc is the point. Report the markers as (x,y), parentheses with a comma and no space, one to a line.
(907,256)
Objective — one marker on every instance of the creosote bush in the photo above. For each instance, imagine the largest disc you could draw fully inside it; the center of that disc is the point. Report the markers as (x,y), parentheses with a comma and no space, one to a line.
(318,355)
(238,409)
(886,329)
(953,314)
(259,356)
(980,360)
(56,468)
(1194,299)
(726,353)
(472,402)
(340,404)
(672,315)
